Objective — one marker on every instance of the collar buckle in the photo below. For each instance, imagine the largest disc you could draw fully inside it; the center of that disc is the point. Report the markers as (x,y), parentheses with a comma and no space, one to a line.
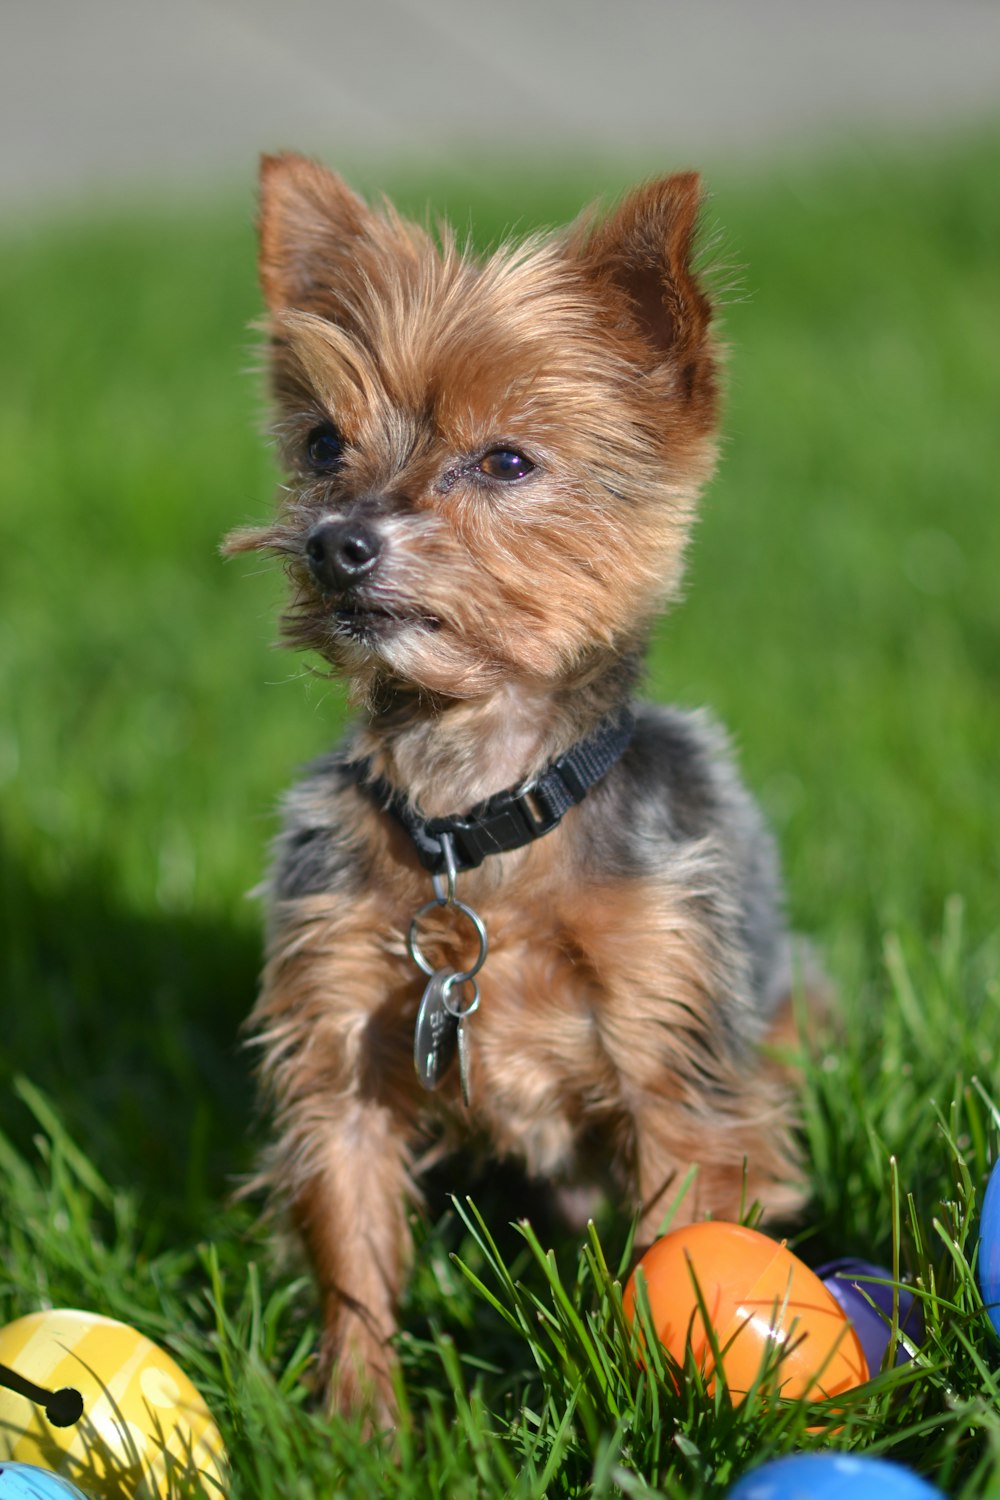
(507,821)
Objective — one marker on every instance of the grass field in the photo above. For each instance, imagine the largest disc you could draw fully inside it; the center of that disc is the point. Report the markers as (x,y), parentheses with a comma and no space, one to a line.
(843,618)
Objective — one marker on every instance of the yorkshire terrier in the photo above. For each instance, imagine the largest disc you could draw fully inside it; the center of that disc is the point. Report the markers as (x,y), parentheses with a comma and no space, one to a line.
(515,905)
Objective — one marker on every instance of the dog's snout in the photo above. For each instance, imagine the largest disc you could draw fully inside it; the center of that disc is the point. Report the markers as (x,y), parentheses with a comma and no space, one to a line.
(341,553)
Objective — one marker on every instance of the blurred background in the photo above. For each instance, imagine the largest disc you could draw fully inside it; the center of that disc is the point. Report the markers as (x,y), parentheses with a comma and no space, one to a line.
(843,614)
(117,95)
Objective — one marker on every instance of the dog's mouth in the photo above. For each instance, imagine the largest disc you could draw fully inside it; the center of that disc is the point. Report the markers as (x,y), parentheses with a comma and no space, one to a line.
(367,622)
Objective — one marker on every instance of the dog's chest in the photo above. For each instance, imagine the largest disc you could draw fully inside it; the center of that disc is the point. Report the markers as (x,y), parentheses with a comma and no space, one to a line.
(539,1076)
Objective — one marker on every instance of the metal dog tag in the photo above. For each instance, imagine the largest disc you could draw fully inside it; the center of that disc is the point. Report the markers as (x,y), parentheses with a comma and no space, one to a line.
(436,1033)
(463,1060)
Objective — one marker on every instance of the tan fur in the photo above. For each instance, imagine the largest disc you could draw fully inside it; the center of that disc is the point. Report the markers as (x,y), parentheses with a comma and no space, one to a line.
(615,1037)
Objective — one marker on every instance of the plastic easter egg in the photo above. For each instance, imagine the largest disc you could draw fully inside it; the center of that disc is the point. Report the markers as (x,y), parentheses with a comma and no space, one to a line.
(989,1249)
(853,1282)
(761,1301)
(27,1482)
(142,1427)
(832,1476)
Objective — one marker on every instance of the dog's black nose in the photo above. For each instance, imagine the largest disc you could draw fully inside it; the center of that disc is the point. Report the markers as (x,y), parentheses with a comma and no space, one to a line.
(341,553)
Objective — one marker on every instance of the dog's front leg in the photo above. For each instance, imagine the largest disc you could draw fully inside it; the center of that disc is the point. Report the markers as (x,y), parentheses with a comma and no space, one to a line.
(351,1214)
(337,1059)
(677,1024)
(743,1153)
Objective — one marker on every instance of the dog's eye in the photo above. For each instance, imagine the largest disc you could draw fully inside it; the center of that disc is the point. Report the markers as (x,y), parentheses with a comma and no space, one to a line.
(505,463)
(325,448)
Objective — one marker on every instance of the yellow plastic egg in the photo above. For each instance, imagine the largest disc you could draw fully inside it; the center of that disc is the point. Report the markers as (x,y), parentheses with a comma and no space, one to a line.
(143,1429)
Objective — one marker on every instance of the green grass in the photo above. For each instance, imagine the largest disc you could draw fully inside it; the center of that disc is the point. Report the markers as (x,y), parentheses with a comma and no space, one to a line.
(843,618)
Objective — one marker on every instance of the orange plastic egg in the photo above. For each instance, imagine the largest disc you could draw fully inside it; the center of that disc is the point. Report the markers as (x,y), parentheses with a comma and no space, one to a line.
(761,1299)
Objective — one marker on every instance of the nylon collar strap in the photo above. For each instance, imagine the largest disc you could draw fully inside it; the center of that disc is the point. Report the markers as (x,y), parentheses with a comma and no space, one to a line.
(512,818)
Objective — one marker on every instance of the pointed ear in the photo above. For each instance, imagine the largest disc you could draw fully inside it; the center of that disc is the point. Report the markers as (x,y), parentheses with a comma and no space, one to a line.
(307,220)
(644,249)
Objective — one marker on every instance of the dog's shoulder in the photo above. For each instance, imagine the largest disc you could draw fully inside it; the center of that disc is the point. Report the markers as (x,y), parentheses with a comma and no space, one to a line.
(675,810)
(677,783)
(678,770)
(317,847)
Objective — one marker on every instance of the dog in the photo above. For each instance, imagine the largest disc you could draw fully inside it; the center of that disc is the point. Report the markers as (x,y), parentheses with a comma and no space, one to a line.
(515,906)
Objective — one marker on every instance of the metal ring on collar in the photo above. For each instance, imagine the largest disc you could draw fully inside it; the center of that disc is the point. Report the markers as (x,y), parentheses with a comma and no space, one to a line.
(413,943)
(444,883)
(452,983)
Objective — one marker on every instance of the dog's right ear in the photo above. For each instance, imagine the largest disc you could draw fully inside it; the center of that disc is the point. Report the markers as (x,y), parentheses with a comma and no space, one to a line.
(307,222)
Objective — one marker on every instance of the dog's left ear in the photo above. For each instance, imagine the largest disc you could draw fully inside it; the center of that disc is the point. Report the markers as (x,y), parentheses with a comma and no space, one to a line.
(641,254)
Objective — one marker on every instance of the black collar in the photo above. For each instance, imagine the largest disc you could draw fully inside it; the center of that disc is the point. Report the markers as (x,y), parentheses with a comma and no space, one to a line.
(512,818)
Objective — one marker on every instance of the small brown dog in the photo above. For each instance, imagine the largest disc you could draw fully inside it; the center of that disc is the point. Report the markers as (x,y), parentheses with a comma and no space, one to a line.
(492,468)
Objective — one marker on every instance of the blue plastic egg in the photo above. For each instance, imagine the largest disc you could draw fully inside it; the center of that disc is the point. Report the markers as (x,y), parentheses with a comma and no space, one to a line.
(26,1482)
(989,1249)
(832,1476)
(853,1283)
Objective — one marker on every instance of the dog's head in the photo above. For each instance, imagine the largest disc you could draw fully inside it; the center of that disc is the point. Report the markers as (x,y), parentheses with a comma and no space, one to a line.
(491,463)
